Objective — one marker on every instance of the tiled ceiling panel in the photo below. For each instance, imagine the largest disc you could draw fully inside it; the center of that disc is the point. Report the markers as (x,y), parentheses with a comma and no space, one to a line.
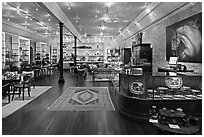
(89,17)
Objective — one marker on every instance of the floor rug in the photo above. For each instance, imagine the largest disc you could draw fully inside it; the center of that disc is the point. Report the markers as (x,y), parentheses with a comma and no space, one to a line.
(18,102)
(84,99)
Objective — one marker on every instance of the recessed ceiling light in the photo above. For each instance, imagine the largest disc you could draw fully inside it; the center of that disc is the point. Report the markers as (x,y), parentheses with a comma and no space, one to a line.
(105,18)
(36,9)
(96,16)
(103,28)
(5,3)
(48,19)
(115,21)
(76,21)
(108,4)
(18,8)
(8,19)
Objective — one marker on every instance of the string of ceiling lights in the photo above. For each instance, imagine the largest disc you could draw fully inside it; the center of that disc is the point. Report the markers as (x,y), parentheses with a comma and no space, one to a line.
(29,16)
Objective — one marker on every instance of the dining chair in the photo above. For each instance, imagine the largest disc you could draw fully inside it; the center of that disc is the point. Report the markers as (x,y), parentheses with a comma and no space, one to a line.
(81,72)
(6,90)
(25,83)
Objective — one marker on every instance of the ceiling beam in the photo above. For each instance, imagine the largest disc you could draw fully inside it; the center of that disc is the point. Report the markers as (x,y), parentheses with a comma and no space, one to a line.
(54,10)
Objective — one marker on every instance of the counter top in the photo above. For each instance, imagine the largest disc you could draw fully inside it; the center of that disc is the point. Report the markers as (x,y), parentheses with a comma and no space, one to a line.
(169,69)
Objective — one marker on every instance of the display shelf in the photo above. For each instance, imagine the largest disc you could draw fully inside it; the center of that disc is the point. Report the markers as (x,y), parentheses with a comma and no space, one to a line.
(85,55)
(15,49)
(24,50)
(3,50)
(54,55)
(89,61)
(95,53)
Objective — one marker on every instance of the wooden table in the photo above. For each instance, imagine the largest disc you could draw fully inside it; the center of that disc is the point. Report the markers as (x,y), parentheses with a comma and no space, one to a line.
(189,130)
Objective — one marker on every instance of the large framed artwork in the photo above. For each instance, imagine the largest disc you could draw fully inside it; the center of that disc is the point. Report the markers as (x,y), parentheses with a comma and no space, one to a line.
(184,40)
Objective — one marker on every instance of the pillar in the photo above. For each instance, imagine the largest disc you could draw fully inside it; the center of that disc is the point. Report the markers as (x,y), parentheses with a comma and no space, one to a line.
(61,78)
(75,51)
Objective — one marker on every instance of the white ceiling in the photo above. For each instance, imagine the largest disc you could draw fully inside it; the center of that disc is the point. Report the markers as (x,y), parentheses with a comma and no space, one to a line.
(87,17)
(115,20)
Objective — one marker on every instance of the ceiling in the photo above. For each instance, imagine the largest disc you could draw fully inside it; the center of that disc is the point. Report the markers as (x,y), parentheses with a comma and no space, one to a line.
(89,18)
(96,18)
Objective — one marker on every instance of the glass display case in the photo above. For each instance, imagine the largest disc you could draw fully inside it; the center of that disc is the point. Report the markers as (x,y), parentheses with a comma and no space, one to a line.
(138,93)
(161,86)
(176,87)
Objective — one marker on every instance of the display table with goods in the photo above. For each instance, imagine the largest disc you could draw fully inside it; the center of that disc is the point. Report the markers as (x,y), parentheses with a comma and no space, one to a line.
(103,74)
(173,121)
(137,93)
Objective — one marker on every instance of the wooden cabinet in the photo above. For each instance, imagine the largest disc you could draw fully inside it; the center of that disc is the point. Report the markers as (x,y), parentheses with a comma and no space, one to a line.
(142,56)
(125,55)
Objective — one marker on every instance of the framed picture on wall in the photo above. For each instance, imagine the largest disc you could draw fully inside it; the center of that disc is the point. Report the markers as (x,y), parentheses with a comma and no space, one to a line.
(184,40)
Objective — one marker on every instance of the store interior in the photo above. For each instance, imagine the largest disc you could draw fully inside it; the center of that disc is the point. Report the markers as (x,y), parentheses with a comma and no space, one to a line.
(60,58)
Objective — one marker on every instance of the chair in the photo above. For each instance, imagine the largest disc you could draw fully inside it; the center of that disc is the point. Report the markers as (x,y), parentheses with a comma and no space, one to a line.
(25,83)
(32,77)
(73,69)
(81,71)
(6,90)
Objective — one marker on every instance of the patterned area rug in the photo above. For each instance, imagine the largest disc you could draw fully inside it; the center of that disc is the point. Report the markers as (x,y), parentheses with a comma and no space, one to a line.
(84,99)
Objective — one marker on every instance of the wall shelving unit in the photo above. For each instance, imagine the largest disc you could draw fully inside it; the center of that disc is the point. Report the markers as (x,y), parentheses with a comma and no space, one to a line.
(86,55)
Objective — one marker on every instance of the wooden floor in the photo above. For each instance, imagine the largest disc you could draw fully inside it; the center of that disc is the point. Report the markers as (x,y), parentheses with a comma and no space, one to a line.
(35,119)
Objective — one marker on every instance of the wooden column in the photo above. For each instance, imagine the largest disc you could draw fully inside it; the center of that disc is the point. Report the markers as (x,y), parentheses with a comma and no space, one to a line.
(61,78)
(75,51)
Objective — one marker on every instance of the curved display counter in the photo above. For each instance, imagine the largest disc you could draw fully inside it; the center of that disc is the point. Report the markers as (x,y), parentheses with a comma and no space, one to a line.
(136,94)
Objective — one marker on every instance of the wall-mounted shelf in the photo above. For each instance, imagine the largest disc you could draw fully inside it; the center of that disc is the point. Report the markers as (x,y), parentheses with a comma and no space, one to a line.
(96,52)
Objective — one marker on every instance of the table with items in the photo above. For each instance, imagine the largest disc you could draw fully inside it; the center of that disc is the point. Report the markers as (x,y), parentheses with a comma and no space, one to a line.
(173,121)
